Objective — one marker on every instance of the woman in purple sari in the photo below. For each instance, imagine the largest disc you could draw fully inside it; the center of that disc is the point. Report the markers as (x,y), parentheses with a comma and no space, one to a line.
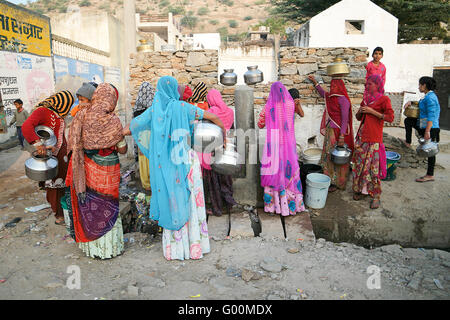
(280,172)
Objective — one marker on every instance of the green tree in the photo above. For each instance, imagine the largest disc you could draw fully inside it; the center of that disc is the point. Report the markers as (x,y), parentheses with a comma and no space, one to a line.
(418,19)
(277,25)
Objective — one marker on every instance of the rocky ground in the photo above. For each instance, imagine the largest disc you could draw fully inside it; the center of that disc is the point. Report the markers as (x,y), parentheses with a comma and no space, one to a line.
(36,254)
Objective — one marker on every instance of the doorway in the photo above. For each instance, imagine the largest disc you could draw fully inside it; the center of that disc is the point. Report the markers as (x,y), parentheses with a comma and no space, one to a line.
(442,77)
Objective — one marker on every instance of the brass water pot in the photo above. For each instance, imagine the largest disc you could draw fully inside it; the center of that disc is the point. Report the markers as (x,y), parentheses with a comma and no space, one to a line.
(338,68)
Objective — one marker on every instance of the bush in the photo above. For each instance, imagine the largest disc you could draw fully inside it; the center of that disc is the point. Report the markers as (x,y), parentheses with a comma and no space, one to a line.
(248,18)
(227,2)
(189,21)
(213,22)
(260,2)
(104,6)
(164,3)
(223,33)
(232,23)
(85,3)
(202,11)
(178,10)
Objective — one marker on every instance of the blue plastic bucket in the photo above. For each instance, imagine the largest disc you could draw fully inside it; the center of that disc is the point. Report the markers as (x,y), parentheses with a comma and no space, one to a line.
(317,190)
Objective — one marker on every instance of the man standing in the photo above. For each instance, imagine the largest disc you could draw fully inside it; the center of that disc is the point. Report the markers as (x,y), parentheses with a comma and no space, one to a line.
(19,117)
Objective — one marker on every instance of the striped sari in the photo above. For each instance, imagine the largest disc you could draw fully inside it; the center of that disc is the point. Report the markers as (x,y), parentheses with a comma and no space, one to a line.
(96,224)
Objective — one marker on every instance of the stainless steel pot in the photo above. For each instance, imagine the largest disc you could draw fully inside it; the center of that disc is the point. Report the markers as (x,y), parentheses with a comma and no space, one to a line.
(341,155)
(253,75)
(228,78)
(427,148)
(207,137)
(46,135)
(41,168)
(227,161)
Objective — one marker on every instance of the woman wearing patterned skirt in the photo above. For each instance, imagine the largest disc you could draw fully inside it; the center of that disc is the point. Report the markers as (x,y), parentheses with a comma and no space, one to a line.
(177,202)
(280,172)
(369,157)
(93,178)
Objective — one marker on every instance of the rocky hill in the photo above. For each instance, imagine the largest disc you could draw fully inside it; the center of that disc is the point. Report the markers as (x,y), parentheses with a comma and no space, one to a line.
(232,17)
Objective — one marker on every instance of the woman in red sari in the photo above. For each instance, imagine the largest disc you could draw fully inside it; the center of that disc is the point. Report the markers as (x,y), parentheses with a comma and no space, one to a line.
(337,128)
(51,113)
(369,157)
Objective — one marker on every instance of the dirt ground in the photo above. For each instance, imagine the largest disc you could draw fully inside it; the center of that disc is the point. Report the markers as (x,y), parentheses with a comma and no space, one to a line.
(35,256)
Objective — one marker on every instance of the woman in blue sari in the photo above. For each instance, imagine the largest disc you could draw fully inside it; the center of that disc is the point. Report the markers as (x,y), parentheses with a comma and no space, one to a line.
(162,133)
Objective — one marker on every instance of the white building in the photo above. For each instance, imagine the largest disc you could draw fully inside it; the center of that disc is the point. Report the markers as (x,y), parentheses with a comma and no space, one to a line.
(361,23)
(202,41)
(166,30)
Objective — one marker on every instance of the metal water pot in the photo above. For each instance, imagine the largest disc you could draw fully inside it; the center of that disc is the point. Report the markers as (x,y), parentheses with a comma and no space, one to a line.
(227,161)
(207,136)
(41,167)
(427,148)
(228,78)
(46,135)
(253,75)
(341,155)
(338,68)
(412,111)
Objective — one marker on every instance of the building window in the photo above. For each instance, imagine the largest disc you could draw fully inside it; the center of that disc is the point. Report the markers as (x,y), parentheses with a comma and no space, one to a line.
(354,26)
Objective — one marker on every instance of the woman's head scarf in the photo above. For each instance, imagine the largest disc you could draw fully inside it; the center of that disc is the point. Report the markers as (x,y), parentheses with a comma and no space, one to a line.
(59,103)
(279,164)
(144,99)
(219,108)
(199,93)
(94,128)
(372,97)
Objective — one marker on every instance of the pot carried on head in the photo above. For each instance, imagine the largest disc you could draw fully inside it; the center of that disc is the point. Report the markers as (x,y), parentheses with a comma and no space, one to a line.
(338,68)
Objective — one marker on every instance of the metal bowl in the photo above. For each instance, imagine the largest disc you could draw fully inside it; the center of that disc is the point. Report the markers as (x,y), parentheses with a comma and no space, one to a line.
(427,148)
(46,135)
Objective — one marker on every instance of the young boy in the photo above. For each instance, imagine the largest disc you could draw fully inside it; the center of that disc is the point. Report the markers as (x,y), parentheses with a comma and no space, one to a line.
(19,117)
(84,95)
(376,66)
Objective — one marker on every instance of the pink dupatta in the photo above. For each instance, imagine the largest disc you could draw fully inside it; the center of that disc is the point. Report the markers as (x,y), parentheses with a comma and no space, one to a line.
(279,164)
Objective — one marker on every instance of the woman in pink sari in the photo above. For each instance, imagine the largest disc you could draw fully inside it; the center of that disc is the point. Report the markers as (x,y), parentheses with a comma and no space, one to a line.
(280,172)
(218,187)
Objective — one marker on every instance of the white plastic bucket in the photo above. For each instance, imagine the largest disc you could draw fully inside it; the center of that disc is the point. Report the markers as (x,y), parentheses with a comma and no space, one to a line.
(317,190)
(312,155)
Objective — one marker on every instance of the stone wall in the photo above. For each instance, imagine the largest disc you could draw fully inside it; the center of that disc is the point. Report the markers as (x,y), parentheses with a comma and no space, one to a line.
(297,63)
(188,67)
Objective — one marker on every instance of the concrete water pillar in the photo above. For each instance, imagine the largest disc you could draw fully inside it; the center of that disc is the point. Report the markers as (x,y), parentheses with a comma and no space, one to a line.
(129,47)
(247,188)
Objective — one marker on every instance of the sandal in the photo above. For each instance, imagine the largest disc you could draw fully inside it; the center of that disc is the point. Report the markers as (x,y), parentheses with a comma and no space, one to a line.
(424,179)
(375,204)
(60,222)
(332,189)
(357,196)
